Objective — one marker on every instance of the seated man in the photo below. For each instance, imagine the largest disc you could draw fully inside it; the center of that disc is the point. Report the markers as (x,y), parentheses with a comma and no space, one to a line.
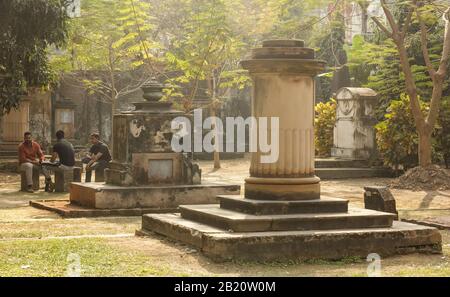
(63,150)
(31,156)
(99,156)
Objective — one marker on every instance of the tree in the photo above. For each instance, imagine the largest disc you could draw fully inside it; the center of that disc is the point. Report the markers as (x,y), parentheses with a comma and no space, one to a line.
(330,41)
(424,121)
(27,29)
(209,51)
(111,49)
(364,6)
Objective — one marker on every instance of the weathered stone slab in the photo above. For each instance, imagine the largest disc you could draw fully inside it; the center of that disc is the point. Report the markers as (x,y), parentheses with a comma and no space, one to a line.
(67,210)
(381,199)
(442,222)
(297,245)
(276,207)
(101,196)
(187,231)
(215,216)
(347,173)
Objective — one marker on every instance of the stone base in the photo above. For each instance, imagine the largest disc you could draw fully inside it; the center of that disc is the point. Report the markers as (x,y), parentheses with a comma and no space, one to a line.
(350,153)
(102,196)
(283,189)
(351,173)
(220,244)
(248,229)
(67,210)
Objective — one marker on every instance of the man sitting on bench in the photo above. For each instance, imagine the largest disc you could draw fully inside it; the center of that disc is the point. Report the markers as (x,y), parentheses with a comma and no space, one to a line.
(31,157)
(99,157)
(62,150)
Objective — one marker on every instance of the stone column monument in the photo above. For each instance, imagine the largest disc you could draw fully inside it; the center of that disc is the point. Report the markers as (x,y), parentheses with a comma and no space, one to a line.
(283,72)
(283,215)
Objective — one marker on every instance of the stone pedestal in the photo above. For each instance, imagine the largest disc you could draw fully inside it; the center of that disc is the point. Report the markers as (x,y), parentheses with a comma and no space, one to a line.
(64,178)
(282,215)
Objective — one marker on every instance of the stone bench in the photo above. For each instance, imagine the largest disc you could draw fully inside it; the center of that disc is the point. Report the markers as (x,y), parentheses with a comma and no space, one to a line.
(100,175)
(63,178)
(23,180)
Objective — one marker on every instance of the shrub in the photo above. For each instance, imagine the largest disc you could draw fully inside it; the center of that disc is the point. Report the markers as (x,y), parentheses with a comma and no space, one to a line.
(442,134)
(324,127)
(397,138)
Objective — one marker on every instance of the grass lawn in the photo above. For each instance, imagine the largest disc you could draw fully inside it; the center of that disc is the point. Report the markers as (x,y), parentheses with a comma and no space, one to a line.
(57,257)
(131,256)
(35,242)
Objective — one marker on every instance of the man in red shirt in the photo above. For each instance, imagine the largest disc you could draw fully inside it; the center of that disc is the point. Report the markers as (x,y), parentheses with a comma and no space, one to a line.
(31,156)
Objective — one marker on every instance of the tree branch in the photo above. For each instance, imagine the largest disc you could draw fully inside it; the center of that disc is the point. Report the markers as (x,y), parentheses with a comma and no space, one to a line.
(440,76)
(424,44)
(382,27)
(390,18)
(446,50)
(407,23)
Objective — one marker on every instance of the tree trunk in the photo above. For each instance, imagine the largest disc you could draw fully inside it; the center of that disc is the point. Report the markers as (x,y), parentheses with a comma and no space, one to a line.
(425,153)
(213,90)
(113,95)
(424,124)
(216,153)
(364,19)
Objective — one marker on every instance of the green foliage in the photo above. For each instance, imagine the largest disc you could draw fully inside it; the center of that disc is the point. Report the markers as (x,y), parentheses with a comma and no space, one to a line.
(329,43)
(362,59)
(108,44)
(27,29)
(442,134)
(324,127)
(376,64)
(397,138)
(292,19)
(209,50)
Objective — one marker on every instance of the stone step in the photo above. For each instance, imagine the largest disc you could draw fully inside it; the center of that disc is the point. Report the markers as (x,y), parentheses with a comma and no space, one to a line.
(215,216)
(8,153)
(261,207)
(222,245)
(9,147)
(103,196)
(341,163)
(346,173)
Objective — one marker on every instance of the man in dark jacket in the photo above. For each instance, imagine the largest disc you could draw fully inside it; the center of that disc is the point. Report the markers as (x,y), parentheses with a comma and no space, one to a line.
(99,156)
(62,150)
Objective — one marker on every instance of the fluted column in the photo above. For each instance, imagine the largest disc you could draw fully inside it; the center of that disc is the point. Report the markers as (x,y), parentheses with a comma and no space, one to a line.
(283,73)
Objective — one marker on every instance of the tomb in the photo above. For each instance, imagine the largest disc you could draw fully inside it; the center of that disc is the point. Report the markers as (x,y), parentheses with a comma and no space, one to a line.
(283,215)
(146,175)
(354,132)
